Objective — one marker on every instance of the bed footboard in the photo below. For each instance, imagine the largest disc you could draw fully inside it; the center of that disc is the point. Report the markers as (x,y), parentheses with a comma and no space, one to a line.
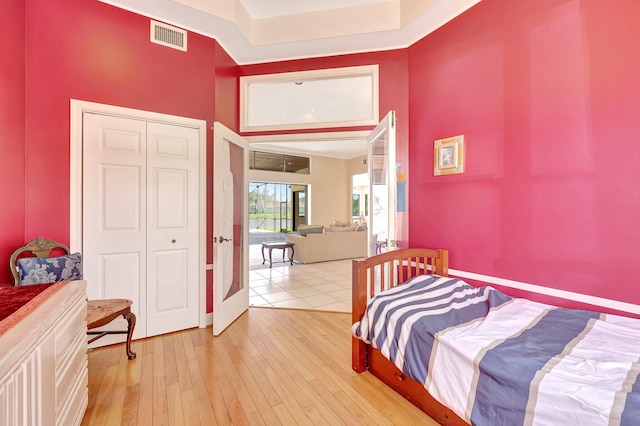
(381,272)
(384,271)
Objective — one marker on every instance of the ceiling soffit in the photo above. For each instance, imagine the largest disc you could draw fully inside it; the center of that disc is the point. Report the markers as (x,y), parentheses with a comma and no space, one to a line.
(378,26)
(366,18)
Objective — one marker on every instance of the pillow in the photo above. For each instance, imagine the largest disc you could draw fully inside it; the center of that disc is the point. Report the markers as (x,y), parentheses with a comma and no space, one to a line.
(310,229)
(42,270)
(340,223)
(335,228)
(362,227)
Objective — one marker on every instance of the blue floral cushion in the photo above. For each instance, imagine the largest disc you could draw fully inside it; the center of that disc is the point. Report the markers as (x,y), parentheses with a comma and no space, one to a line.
(42,270)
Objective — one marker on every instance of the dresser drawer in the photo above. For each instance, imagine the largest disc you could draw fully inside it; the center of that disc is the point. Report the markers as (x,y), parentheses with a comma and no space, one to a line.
(72,410)
(68,368)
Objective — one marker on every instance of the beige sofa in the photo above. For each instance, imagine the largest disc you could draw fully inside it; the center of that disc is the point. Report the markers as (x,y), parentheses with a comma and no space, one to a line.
(328,246)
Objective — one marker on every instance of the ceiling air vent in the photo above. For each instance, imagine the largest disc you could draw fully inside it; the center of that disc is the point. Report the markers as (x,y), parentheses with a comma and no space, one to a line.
(169,36)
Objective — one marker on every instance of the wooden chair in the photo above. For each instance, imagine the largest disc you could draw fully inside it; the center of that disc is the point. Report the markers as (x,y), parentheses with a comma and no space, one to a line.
(47,268)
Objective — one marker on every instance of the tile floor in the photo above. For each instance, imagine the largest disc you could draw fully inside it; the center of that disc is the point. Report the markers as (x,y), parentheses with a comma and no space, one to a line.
(324,286)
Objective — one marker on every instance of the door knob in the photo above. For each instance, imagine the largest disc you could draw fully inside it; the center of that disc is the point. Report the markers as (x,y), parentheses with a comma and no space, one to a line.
(223,239)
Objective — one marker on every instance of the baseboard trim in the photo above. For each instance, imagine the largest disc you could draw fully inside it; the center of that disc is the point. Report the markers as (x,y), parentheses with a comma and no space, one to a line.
(208,320)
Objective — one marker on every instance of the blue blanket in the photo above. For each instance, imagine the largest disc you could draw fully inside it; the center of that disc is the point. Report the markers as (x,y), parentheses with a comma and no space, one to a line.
(498,360)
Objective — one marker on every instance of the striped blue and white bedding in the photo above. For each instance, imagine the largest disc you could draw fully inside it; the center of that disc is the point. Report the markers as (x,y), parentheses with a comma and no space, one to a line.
(498,360)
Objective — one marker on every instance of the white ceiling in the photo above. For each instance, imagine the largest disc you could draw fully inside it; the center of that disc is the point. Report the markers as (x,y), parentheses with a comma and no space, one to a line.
(345,149)
(258,31)
(259,9)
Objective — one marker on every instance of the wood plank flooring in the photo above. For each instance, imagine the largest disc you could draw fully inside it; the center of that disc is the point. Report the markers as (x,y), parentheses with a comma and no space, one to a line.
(270,367)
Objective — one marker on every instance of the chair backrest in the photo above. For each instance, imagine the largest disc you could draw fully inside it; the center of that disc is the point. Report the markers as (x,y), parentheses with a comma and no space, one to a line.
(40,247)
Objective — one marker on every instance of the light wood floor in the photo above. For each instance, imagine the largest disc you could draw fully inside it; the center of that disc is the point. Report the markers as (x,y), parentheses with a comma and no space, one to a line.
(270,367)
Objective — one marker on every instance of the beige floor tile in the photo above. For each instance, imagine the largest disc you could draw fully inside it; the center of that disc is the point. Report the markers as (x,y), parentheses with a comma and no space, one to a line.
(335,307)
(260,282)
(314,281)
(268,289)
(294,304)
(258,301)
(319,300)
(269,274)
(288,285)
(314,286)
(297,271)
(304,292)
(341,295)
(328,288)
(280,296)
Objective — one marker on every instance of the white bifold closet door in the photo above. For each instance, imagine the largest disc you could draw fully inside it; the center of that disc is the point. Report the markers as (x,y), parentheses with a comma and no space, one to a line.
(140,220)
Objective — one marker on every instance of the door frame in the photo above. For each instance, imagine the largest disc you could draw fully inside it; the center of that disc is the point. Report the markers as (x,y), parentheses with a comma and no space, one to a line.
(386,126)
(77,109)
(237,304)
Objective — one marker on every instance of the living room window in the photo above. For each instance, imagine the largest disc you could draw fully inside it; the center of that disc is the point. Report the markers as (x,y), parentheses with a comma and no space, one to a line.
(355,205)
(360,196)
(275,208)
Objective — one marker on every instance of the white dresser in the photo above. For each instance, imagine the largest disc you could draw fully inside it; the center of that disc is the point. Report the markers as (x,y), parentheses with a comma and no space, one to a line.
(43,361)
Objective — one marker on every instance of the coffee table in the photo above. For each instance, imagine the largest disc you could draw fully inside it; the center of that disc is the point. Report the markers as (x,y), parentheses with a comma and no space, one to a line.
(282,246)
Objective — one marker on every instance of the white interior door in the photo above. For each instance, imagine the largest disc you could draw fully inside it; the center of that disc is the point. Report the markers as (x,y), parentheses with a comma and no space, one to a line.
(140,228)
(114,218)
(382,185)
(172,228)
(230,227)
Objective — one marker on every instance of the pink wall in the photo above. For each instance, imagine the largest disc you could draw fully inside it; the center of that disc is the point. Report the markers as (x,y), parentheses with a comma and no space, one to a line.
(547,94)
(226,89)
(105,58)
(95,52)
(12,117)
(394,83)
(394,95)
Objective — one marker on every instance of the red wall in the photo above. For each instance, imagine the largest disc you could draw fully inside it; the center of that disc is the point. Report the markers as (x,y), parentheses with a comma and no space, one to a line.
(12,116)
(394,95)
(91,51)
(547,94)
(100,54)
(226,89)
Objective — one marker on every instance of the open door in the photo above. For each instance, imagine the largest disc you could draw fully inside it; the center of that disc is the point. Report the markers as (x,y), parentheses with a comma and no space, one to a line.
(382,185)
(230,227)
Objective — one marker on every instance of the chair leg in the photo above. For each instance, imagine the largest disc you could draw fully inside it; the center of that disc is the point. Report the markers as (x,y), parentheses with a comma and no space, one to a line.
(131,320)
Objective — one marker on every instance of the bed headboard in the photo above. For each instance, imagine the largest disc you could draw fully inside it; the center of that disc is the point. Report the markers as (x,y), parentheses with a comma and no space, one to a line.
(384,271)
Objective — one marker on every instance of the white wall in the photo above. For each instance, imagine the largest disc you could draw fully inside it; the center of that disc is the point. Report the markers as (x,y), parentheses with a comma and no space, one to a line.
(357,165)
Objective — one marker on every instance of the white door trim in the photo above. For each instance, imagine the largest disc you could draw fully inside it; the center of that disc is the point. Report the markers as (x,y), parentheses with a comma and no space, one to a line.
(228,309)
(77,109)
(387,126)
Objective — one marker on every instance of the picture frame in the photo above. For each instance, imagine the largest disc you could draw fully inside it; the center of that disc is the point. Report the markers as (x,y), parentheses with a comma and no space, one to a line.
(448,156)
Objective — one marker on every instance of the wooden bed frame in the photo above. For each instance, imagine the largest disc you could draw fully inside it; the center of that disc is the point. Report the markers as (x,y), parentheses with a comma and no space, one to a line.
(384,271)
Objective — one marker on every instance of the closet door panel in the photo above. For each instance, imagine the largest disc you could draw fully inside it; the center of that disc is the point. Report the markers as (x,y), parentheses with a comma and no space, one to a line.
(140,220)
(171,267)
(115,214)
(172,173)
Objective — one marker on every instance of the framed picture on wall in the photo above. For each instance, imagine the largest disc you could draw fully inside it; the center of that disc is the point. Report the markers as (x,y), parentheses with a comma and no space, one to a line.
(448,156)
